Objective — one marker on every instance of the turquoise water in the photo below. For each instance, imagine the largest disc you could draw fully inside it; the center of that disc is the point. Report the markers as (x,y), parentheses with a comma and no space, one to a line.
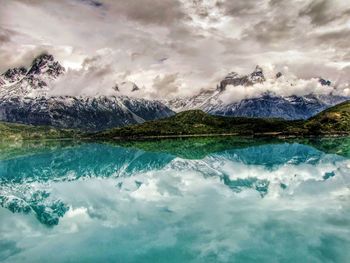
(194,200)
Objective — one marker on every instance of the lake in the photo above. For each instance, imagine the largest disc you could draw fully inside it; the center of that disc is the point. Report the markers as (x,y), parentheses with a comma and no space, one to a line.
(182,200)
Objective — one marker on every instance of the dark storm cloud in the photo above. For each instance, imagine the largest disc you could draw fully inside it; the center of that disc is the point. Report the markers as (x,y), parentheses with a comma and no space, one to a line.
(337,38)
(272,30)
(240,8)
(20,58)
(162,12)
(92,3)
(322,12)
(281,20)
(11,55)
(5,35)
(143,11)
(166,85)
(270,22)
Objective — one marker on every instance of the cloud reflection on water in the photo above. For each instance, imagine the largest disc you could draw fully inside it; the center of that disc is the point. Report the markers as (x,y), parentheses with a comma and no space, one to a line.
(257,203)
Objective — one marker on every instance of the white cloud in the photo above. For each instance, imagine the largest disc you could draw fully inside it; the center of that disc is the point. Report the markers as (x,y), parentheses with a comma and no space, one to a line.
(281,87)
(199,41)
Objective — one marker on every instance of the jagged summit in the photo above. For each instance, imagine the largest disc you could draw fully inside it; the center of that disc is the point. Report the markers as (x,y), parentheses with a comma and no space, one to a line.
(257,76)
(135,87)
(34,82)
(264,104)
(234,79)
(278,75)
(43,68)
(46,64)
(42,59)
(126,87)
(325,82)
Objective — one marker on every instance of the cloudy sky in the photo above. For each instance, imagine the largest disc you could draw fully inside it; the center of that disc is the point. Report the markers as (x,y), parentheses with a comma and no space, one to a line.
(173,47)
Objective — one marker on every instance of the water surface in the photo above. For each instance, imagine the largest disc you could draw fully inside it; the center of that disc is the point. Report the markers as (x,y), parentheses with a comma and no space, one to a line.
(189,200)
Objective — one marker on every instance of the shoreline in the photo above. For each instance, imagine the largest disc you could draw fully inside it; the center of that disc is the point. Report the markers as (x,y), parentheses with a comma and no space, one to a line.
(278,135)
(275,135)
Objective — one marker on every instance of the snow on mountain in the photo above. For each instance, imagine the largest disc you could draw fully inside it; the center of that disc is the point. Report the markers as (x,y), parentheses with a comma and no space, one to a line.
(264,104)
(272,106)
(34,82)
(234,79)
(25,97)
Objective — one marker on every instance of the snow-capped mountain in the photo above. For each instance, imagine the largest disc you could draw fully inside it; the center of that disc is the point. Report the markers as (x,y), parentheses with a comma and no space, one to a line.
(32,82)
(268,104)
(271,106)
(234,79)
(25,98)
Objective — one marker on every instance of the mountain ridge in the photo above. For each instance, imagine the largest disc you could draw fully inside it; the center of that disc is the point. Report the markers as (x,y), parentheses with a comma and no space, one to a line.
(25,98)
(266,105)
(331,122)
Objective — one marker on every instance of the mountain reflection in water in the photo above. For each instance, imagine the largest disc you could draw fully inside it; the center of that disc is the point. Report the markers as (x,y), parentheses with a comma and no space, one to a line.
(188,200)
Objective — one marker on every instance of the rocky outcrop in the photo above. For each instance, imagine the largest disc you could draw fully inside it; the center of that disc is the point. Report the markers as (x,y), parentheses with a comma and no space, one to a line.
(234,79)
(14,74)
(325,82)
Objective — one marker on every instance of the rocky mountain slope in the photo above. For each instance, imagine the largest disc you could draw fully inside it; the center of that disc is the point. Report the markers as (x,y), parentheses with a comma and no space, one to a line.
(333,121)
(25,98)
(268,105)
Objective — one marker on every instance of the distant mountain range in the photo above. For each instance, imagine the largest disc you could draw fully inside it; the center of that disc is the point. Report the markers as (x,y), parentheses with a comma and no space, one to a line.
(25,98)
(193,123)
(267,105)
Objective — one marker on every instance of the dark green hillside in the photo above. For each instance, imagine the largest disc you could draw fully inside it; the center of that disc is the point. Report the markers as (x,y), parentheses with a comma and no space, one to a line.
(196,122)
(11,131)
(331,121)
(335,120)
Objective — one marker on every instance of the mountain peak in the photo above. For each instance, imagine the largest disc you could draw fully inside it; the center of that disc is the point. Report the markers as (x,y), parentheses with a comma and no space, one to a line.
(234,79)
(278,75)
(257,76)
(258,69)
(32,82)
(43,57)
(46,64)
(325,82)
(134,87)
(126,87)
